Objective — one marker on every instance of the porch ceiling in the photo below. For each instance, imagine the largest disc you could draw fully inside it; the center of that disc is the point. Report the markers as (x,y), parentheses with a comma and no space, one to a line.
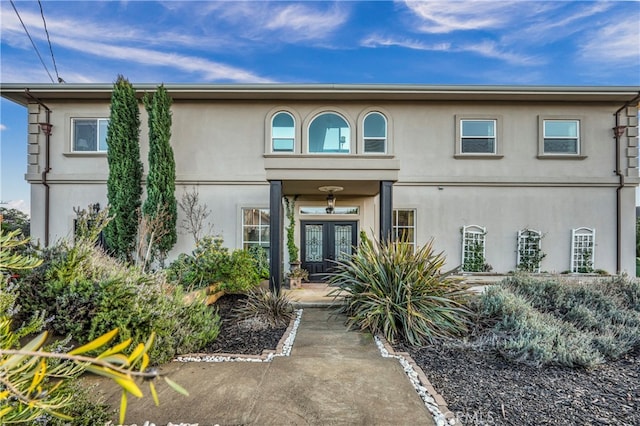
(310,187)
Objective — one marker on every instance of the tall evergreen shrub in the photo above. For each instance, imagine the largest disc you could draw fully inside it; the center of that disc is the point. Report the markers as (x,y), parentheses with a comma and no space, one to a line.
(161,197)
(124,187)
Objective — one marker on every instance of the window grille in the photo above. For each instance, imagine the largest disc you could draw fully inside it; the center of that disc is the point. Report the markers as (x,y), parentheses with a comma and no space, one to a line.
(529,250)
(582,250)
(404,226)
(473,248)
(255,228)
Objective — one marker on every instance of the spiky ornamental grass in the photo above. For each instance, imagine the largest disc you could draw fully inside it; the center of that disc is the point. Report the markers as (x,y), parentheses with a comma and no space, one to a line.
(162,169)
(124,186)
(401,293)
(274,309)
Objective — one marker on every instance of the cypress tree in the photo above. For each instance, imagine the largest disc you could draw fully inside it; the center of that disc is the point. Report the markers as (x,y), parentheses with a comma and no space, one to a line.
(124,186)
(161,198)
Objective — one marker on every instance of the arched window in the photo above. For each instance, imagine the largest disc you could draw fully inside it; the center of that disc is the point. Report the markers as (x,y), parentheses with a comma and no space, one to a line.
(329,133)
(283,130)
(375,133)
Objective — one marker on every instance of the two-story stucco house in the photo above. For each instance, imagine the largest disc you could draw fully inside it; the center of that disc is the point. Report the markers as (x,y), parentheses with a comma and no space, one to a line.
(483,170)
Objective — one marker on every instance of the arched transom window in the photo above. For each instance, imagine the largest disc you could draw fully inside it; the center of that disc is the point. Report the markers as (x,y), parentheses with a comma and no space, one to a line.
(375,133)
(283,130)
(329,133)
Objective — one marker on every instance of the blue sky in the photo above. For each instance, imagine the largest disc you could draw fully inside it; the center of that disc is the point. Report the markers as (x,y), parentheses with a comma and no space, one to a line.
(452,42)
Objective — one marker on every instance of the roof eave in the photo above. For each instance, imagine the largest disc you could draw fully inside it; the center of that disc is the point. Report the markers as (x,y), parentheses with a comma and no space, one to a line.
(17,92)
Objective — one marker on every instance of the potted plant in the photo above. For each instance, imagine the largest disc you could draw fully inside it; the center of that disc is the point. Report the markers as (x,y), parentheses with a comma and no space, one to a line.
(296,276)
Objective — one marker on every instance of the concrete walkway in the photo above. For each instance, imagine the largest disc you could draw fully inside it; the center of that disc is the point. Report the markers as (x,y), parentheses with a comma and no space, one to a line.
(333,377)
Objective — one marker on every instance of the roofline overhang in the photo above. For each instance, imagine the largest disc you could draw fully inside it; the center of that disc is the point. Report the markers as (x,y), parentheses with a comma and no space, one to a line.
(17,92)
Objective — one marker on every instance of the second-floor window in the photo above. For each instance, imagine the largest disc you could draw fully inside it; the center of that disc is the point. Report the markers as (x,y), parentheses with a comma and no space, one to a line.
(375,133)
(283,130)
(478,136)
(329,133)
(90,134)
(561,137)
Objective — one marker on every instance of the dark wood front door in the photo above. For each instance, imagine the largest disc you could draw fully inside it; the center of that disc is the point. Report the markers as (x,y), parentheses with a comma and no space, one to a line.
(324,242)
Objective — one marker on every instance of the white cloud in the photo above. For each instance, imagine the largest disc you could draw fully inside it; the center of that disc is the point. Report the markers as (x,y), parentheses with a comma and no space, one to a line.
(377,40)
(110,41)
(18,205)
(209,70)
(616,41)
(491,49)
(546,25)
(444,17)
(488,49)
(268,22)
(301,22)
(3,127)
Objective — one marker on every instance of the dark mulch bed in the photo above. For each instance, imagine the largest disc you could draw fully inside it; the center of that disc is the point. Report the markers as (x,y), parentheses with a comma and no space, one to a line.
(237,337)
(482,388)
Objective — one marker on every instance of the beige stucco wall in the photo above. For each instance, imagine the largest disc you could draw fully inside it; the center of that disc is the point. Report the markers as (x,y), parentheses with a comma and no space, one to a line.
(555,211)
(220,146)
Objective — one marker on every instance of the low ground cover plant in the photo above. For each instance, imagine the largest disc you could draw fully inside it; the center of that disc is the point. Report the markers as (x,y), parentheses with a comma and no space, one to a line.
(398,292)
(556,322)
(211,263)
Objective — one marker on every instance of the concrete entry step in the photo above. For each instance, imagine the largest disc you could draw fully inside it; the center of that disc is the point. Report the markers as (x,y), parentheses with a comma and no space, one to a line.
(311,295)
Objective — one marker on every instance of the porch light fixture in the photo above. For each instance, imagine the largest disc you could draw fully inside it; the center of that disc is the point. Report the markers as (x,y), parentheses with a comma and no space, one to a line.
(619,130)
(331,199)
(46,128)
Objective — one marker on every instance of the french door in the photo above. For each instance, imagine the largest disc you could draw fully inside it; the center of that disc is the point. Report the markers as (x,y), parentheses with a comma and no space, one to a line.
(324,242)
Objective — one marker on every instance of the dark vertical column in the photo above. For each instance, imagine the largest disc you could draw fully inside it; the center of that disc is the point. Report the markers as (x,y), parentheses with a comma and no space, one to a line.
(275,235)
(386,209)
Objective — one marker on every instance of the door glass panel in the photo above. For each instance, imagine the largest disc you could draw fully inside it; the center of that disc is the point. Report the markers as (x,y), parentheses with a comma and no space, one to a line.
(313,241)
(343,241)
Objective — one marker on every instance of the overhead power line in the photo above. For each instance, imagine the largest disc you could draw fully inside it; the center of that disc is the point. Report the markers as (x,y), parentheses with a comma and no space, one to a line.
(44,21)
(32,43)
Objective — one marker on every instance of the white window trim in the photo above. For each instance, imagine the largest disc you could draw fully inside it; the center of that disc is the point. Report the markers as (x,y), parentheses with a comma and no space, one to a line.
(294,132)
(242,225)
(580,155)
(499,140)
(575,235)
(395,227)
(73,136)
(330,110)
(268,139)
(361,144)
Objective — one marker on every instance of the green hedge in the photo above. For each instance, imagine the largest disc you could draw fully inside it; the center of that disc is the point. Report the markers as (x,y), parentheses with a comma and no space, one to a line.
(210,263)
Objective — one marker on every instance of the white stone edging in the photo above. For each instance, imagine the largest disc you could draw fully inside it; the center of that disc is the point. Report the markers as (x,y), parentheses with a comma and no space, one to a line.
(420,387)
(266,357)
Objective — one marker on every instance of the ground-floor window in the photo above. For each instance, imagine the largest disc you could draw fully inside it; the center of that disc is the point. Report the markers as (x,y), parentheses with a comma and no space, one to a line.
(404,226)
(582,250)
(255,228)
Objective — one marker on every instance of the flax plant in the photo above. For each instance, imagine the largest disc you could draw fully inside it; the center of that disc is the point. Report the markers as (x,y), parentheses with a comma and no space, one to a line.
(391,289)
